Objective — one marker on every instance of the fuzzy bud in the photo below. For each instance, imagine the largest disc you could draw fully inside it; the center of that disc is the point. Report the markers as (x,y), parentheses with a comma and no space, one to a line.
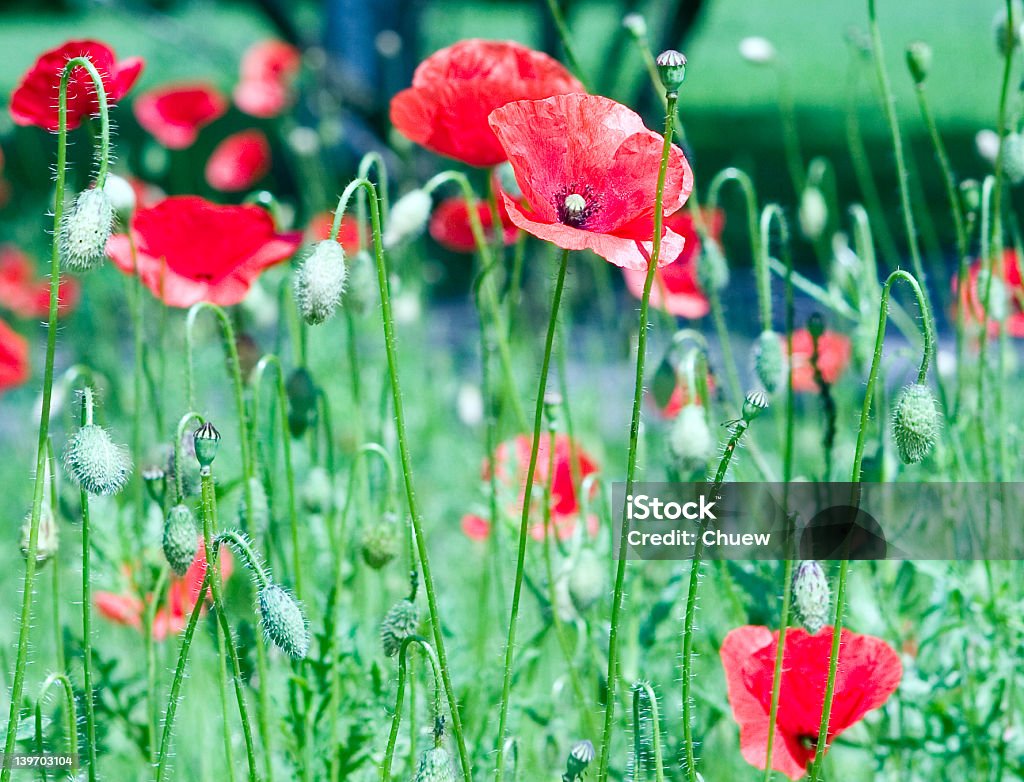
(319,282)
(672,69)
(712,268)
(258,521)
(581,755)
(811,595)
(85,228)
(1013,157)
(813,214)
(768,360)
(47,537)
(970,195)
(302,398)
(401,621)
(206,440)
(755,404)
(919,61)
(915,422)
(408,218)
(586,580)
(121,195)
(435,766)
(97,463)
(317,491)
(635,25)
(690,442)
(181,538)
(283,621)
(379,543)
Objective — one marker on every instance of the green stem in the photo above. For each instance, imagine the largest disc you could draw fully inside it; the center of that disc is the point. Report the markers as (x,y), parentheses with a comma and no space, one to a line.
(69,710)
(640,691)
(403,654)
(563,35)
(89,698)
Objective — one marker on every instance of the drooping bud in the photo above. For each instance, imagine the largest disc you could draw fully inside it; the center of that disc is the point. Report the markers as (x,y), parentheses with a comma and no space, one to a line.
(206,440)
(97,463)
(47,536)
(915,422)
(919,61)
(408,218)
(181,538)
(319,282)
(587,579)
(302,397)
(813,214)
(690,442)
(401,621)
(85,228)
(581,755)
(635,25)
(435,766)
(768,360)
(257,522)
(757,50)
(712,268)
(317,491)
(672,69)
(122,197)
(755,404)
(283,621)
(811,595)
(379,542)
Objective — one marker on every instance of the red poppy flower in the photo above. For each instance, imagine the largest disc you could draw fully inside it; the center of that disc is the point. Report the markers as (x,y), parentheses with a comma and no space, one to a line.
(676,288)
(454,90)
(511,463)
(449,225)
(348,234)
(34,101)
(13,358)
(26,296)
(588,169)
(191,250)
(239,161)
(175,114)
(868,673)
(182,595)
(834,352)
(974,309)
(268,68)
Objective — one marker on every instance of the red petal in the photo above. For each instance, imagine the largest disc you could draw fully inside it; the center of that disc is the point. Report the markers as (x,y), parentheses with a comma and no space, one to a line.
(239,161)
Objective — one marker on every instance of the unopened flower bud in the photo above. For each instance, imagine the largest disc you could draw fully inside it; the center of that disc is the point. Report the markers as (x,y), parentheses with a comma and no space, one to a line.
(408,218)
(435,766)
(813,214)
(581,755)
(206,440)
(317,491)
(712,268)
(1008,29)
(690,442)
(401,621)
(587,579)
(993,295)
(85,229)
(97,463)
(257,522)
(47,536)
(379,543)
(283,621)
(768,360)
(755,404)
(811,595)
(915,422)
(970,195)
(181,538)
(919,61)
(757,50)
(635,25)
(671,69)
(302,398)
(320,281)
(1013,157)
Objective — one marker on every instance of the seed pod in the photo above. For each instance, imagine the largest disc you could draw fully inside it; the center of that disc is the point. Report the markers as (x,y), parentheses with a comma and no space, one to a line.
(755,404)
(408,218)
(401,621)
(47,537)
(690,442)
(672,69)
(379,543)
(320,281)
(206,440)
(811,595)
(915,422)
(95,462)
(84,230)
(586,580)
(283,621)
(181,538)
(581,755)
(768,360)
(257,522)
(435,766)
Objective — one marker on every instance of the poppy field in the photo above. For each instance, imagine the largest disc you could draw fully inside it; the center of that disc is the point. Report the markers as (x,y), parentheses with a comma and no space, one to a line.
(335,391)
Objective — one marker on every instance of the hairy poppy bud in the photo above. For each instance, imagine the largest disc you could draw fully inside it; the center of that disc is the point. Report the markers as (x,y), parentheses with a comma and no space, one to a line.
(586,579)
(768,360)
(811,595)
(283,621)
(302,398)
(379,543)
(317,491)
(755,404)
(97,463)
(408,218)
(690,442)
(671,69)
(712,268)
(47,536)
(181,538)
(401,621)
(121,195)
(254,523)
(435,766)
(1013,157)
(919,61)
(813,214)
(581,755)
(915,422)
(757,50)
(206,440)
(635,25)
(320,281)
(85,229)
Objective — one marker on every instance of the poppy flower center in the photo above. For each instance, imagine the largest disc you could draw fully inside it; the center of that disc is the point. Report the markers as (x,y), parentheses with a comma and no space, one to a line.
(575,205)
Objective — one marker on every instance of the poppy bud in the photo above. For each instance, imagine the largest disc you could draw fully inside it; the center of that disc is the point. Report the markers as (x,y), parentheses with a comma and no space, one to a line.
(915,422)
(811,595)
(97,463)
(586,580)
(768,360)
(581,755)
(435,766)
(757,50)
(970,195)
(635,25)
(320,281)
(181,540)
(317,491)
(379,543)
(690,442)
(302,398)
(257,522)
(1008,29)
(121,195)
(919,61)
(813,214)
(47,536)
(401,621)
(283,621)
(671,69)
(84,230)
(712,267)
(755,404)
(408,218)
(206,439)
(991,286)
(1013,157)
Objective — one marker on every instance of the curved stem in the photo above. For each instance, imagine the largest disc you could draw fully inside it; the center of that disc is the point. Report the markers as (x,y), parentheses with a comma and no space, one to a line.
(746,185)
(642,690)
(243,548)
(403,653)
(179,465)
(69,709)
